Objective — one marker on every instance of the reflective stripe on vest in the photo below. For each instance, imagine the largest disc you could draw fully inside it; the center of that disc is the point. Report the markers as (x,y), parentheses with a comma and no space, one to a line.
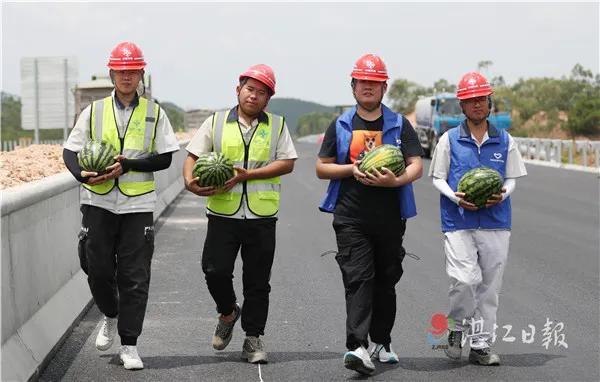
(138,143)
(262,194)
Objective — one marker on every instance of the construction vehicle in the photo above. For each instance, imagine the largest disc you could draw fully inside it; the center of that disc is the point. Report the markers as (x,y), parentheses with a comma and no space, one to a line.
(438,113)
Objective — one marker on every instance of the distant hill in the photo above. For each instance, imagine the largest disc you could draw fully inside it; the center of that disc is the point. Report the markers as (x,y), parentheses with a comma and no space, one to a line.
(293,108)
(175,114)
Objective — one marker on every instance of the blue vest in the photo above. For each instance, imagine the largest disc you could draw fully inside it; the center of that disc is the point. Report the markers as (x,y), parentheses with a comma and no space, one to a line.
(392,131)
(465,155)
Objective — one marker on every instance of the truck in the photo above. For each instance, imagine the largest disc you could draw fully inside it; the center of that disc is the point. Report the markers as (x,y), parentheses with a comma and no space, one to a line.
(438,113)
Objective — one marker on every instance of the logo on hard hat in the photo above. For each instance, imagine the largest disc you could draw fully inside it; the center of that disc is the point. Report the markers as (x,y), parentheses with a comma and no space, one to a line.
(370,64)
(126,52)
(472,81)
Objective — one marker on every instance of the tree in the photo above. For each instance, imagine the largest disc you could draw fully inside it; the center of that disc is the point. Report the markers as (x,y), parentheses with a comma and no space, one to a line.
(584,117)
(497,81)
(442,85)
(403,95)
(579,73)
(314,123)
(484,65)
(175,114)
(10,117)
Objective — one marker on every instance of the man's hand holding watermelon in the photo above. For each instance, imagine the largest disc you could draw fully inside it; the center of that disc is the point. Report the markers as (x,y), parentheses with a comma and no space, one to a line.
(116,169)
(495,198)
(193,186)
(492,201)
(241,175)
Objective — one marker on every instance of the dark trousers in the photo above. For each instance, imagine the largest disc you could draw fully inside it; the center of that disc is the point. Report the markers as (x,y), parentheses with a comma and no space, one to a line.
(115,252)
(256,239)
(370,257)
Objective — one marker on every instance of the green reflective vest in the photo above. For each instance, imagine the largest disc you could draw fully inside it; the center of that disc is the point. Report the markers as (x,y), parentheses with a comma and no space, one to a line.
(262,195)
(138,143)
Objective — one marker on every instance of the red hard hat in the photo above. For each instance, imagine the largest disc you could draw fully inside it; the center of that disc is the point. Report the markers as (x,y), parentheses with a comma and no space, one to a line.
(262,73)
(370,67)
(473,85)
(126,56)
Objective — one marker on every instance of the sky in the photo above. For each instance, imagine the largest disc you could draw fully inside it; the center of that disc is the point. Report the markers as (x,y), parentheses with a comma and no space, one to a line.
(196,51)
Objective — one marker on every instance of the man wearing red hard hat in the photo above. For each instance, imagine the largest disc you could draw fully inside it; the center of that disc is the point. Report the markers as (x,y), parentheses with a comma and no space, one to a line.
(116,241)
(369,212)
(476,240)
(242,214)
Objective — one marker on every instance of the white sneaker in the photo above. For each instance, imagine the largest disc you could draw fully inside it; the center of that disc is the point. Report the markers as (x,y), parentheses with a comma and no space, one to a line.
(107,333)
(359,360)
(384,355)
(130,358)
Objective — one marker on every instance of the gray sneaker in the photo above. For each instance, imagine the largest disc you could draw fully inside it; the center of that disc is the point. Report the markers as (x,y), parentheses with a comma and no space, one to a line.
(484,357)
(454,350)
(224,331)
(254,350)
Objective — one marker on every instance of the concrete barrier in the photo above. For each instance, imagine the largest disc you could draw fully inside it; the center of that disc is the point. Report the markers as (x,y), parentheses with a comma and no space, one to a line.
(44,290)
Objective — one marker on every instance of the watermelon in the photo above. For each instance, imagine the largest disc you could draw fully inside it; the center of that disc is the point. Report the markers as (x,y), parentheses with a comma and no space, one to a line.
(388,156)
(479,184)
(96,156)
(212,169)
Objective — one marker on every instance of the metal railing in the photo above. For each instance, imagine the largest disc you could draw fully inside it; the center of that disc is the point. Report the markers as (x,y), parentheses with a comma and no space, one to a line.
(11,145)
(561,152)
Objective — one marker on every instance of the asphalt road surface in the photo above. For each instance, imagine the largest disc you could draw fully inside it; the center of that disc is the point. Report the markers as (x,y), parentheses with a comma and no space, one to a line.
(551,283)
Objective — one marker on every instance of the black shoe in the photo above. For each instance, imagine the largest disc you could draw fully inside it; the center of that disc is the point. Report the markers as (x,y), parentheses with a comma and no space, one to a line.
(454,350)
(224,331)
(484,357)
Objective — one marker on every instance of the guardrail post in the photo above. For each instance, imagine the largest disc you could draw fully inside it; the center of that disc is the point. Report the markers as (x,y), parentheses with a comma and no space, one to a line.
(596,147)
(581,146)
(570,152)
(546,149)
(555,151)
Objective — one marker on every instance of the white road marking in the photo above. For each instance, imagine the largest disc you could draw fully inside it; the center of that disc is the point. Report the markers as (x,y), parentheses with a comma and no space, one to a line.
(259,374)
(174,220)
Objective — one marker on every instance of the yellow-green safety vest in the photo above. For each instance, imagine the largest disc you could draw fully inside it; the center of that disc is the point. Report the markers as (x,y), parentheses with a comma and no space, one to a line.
(138,143)
(262,195)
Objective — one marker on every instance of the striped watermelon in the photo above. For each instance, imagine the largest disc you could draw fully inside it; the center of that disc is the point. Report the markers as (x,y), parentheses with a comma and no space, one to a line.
(479,184)
(388,156)
(212,169)
(96,156)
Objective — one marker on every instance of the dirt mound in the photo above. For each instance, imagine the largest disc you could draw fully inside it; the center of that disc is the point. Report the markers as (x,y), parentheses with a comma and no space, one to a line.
(26,164)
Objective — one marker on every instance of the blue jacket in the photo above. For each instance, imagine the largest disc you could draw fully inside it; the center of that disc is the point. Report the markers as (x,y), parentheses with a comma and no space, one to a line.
(464,156)
(392,131)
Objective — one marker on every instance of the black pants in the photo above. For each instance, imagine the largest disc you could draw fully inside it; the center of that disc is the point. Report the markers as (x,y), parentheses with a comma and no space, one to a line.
(256,238)
(370,257)
(115,252)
